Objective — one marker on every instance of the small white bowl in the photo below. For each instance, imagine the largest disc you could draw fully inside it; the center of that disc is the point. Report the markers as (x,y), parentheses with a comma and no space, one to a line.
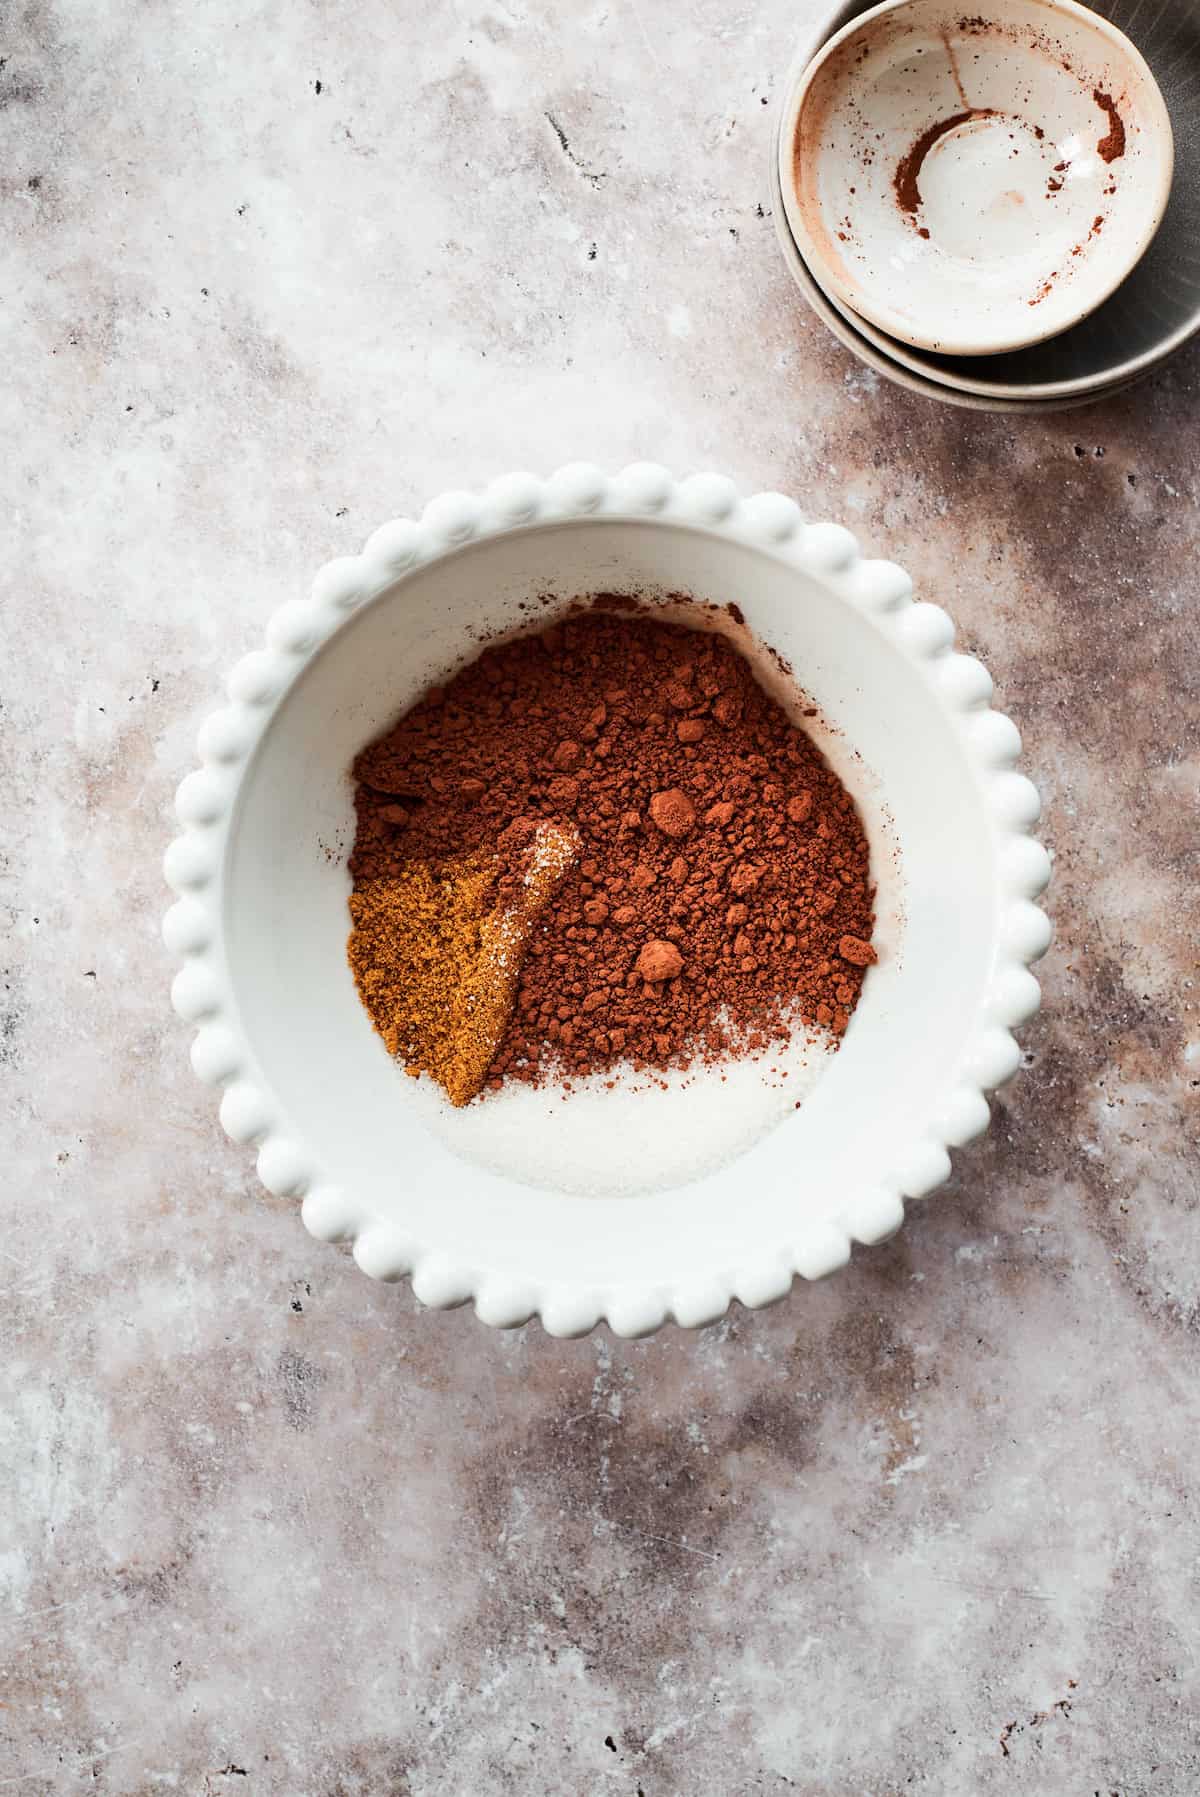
(518,1219)
(882,354)
(975,184)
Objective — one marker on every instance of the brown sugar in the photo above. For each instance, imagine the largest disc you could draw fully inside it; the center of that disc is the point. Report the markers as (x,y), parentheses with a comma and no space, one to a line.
(436,953)
(717,893)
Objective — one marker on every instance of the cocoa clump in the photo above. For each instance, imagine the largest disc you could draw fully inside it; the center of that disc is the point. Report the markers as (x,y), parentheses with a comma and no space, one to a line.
(659,961)
(673,812)
(745,876)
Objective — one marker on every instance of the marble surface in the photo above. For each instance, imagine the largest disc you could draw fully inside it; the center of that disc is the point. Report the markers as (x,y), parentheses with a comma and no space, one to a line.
(273,274)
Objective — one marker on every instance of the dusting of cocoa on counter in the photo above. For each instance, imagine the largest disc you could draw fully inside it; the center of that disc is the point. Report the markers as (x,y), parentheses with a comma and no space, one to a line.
(718,895)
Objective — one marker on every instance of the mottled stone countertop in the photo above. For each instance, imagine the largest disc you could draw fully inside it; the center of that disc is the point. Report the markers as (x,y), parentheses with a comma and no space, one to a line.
(275,273)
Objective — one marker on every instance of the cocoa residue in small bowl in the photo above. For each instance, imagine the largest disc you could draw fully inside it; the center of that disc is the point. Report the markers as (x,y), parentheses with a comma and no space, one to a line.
(1112,145)
(905,181)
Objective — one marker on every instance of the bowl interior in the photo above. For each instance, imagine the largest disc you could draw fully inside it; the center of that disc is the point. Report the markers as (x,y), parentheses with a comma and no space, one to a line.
(1149,315)
(527,1197)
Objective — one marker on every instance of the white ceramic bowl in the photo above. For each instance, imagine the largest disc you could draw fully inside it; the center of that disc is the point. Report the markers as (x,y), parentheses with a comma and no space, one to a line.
(975,184)
(261,918)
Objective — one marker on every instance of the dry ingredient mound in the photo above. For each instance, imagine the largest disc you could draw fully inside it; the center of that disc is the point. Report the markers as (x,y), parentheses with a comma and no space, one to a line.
(603,844)
(437,952)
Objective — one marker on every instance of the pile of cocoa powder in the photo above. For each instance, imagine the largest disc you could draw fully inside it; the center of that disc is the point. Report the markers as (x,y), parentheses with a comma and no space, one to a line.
(720,895)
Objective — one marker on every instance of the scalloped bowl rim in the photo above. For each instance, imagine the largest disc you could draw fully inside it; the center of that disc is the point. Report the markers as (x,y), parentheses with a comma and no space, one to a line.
(955,685)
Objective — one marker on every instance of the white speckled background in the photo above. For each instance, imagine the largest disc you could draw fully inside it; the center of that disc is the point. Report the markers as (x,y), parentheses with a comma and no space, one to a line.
(268,1528)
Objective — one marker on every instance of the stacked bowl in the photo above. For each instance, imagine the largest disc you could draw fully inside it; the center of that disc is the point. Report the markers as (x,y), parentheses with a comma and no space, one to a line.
(995,211)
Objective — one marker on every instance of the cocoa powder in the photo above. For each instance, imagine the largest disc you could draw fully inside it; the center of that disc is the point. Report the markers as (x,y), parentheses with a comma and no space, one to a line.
(721,893)
(1112,144)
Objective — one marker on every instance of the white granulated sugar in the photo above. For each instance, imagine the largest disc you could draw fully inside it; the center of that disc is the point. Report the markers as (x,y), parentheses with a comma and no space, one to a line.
(645,1133)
